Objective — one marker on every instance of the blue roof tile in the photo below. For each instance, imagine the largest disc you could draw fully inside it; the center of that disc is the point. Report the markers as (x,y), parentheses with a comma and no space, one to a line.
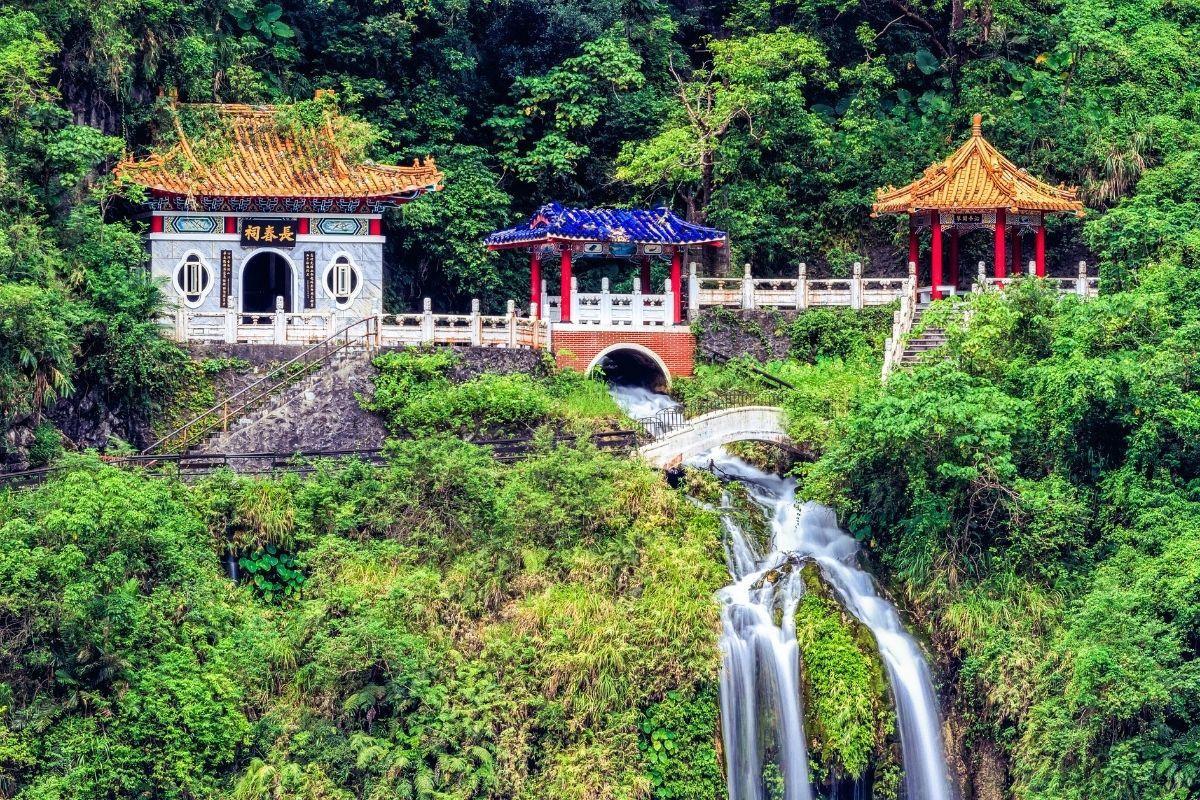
(554,222)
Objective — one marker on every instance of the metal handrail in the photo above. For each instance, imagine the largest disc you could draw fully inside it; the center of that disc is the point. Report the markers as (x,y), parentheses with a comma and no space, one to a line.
(670,419)
(194,463)
(284,374)
(762,374)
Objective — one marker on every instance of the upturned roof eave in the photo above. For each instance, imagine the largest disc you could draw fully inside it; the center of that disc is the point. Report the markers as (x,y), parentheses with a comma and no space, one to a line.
(556,239)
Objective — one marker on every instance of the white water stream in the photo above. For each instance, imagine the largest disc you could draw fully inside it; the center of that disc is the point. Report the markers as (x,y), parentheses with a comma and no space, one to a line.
(762,714)
(761,703)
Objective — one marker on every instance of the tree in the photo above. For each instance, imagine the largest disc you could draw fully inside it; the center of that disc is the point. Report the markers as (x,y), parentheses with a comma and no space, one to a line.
(753,81)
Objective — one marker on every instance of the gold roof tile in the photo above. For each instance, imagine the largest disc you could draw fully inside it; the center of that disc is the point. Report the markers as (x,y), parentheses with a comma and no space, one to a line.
(976,177)
(259,157)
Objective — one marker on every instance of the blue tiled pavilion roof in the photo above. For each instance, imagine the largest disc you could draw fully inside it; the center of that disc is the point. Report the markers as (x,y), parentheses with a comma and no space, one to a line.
(556,223)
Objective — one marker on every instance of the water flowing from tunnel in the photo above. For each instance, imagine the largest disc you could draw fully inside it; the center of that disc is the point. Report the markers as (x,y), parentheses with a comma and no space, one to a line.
(642,404)
(761,703)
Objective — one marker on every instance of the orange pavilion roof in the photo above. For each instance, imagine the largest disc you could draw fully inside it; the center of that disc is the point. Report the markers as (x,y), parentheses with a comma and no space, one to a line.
(976,177)
(247,153)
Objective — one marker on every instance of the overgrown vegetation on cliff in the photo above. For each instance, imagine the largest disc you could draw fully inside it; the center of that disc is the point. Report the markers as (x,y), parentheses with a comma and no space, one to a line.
(464,630)
(1034,497)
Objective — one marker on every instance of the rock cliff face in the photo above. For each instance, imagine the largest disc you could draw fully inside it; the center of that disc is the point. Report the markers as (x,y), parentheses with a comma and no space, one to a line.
(322,412)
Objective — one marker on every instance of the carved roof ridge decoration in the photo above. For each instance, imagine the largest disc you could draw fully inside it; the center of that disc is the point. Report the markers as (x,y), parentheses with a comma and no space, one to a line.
(976,177)
(258,158)
(555,222)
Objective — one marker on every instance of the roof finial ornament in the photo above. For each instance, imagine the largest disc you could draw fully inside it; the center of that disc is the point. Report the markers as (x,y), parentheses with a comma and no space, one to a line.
(977,125)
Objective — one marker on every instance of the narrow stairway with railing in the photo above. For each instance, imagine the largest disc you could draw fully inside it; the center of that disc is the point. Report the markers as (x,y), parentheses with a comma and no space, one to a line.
(928,338)
(355,341)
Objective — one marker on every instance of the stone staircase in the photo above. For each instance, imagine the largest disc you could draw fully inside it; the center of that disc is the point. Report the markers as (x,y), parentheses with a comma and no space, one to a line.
(929,339)
(320,412)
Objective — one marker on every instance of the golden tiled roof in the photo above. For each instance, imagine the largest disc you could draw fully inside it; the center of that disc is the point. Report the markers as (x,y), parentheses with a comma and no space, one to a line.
(976,177)
(251,154)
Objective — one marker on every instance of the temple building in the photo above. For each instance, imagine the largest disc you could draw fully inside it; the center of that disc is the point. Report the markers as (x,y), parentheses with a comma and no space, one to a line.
(976,187)
(256,210)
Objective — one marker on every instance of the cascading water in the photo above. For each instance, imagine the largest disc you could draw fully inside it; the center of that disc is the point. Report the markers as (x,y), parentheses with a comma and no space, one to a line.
(760,699)
(643,404)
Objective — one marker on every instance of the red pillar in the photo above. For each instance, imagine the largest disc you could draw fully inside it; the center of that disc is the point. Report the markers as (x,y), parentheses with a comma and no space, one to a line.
(1039,249)
(564,286)
(535,282)
(1018,267)
(677,284)
(156,223)
(303,223)
(999,266)
(231,224)
(645,278)
(935,253)
(375,226)
(914,250)
(954,258)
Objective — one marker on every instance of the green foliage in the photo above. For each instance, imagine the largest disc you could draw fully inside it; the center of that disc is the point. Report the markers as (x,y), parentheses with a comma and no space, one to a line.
(848,715)
(1030,495)
(414,393)
(36,349)
(677,743)
(452,638)
(275,574)
(47,445)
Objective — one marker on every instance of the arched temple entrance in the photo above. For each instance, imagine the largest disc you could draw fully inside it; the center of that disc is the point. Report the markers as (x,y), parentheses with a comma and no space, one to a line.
(265,276)
(632,364)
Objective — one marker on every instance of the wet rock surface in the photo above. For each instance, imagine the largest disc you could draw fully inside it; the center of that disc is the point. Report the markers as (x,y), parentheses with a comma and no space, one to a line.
(761,334)
(319,413)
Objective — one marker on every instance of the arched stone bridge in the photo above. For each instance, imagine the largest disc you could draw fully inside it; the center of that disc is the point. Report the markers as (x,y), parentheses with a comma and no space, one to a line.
(715,429)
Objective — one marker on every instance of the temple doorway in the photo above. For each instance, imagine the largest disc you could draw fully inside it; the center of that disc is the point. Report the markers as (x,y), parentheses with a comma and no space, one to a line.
(266,276)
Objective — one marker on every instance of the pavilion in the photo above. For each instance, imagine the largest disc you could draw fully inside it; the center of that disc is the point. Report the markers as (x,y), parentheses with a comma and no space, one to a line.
(570,233)
(976,187)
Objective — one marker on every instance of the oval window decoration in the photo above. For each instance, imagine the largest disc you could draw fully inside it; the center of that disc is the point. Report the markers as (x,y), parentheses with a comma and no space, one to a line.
(342,280)
(193,279)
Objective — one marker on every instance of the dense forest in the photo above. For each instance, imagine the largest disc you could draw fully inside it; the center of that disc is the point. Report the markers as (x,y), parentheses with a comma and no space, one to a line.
(447,627)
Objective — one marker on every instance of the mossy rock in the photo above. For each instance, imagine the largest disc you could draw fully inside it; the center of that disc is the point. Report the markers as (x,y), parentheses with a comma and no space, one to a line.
(848,712)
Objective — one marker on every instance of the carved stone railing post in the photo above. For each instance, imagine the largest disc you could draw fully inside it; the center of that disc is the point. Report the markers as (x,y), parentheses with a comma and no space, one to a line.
(668,303)
(545,304)
(280,322)
(1081,281)
(637,305)
(511,310)
(534,326)
(230,324)
(802,287)
(181,324)
(427,321)
(693,291)
(572,302)
(981,276)
(1032,269)
(747,288)
(912,281)
(476,325)
(605,303)
(856,286)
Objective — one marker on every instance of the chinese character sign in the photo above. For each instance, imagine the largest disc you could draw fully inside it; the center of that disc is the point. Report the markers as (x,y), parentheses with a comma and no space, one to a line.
(269,232)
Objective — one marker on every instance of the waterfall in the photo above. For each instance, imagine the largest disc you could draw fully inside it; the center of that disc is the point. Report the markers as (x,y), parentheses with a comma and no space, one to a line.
(642,404)
(638,401)
(760,698)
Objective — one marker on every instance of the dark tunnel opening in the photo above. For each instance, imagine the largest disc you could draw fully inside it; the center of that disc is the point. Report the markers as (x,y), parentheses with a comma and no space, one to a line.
(629,367)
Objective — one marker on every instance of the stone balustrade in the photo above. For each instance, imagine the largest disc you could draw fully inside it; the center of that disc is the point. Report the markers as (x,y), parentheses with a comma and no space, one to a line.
(612,310)
(802,292)
(309,327)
